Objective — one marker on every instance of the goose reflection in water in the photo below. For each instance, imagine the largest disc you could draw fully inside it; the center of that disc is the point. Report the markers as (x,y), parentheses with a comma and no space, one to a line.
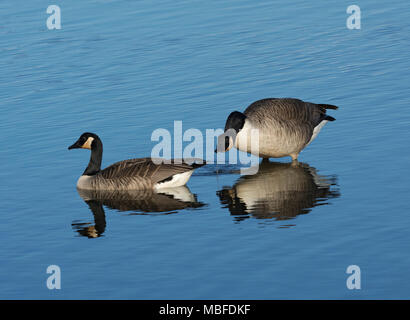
(278,191)
(139,202)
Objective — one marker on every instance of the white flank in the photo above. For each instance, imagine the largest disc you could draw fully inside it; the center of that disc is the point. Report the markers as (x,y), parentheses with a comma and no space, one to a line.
(177,180)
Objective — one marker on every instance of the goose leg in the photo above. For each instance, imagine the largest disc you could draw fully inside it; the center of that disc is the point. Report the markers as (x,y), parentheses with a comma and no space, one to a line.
(295,162)
(294,157)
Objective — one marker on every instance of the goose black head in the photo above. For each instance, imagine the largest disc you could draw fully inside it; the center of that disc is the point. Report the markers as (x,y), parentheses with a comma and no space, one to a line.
(234,124)
(86,141)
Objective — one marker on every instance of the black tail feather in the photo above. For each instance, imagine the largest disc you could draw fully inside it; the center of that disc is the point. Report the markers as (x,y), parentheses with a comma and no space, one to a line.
(198,165)
(329,118)
(329,106)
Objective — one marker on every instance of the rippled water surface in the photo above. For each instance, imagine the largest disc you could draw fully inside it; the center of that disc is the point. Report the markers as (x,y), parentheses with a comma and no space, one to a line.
(122,69)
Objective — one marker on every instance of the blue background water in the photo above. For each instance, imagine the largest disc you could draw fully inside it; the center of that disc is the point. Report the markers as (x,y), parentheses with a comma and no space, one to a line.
(124,68)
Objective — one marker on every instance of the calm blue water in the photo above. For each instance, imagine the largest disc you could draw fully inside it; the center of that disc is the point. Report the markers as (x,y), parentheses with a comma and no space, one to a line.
(122,69)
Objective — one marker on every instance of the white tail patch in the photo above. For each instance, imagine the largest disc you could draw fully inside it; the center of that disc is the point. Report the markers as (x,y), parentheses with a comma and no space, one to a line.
(316,130)
(177,180)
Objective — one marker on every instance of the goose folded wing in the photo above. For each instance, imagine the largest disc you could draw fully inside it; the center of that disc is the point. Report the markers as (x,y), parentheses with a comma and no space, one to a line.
(144,168)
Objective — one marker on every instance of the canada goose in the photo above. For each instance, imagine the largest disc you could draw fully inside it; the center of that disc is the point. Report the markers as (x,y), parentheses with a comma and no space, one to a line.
(132,174)
(285,127)
(147,201)
(279,190)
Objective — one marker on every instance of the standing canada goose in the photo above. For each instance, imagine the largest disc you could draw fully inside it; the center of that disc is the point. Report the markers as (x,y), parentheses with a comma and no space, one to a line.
(132,174)
(285,127)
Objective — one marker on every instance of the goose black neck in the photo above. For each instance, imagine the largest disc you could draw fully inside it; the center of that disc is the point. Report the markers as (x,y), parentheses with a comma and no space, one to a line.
(94,166)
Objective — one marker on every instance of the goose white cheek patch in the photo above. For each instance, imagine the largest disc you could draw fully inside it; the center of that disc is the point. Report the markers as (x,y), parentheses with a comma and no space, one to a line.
(87,144)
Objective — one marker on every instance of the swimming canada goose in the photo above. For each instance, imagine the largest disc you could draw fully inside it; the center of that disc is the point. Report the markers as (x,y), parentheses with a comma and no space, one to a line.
(132,174)
(278,191)
(285,127)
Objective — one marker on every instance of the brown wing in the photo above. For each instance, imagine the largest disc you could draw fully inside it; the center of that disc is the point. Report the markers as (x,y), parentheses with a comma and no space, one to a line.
(145,168)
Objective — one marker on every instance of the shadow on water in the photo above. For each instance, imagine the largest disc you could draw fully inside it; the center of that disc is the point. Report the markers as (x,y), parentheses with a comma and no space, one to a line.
(218,170)
(279,191)
(138,202)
